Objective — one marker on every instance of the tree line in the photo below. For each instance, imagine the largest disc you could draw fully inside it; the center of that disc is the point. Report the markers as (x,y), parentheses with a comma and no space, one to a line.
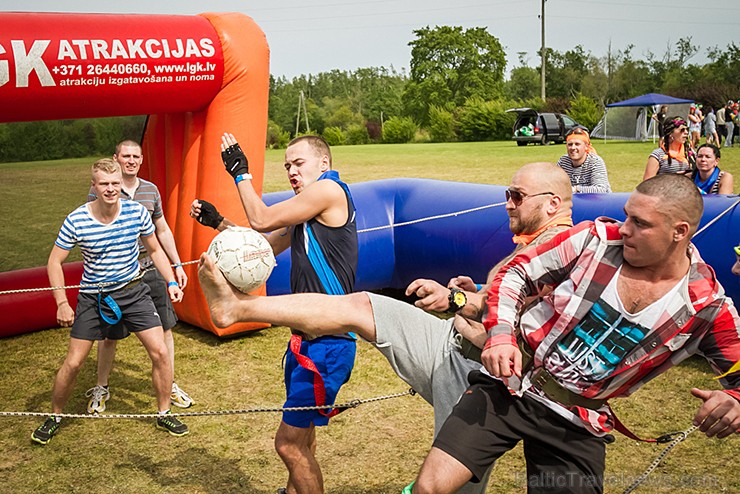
(455,90)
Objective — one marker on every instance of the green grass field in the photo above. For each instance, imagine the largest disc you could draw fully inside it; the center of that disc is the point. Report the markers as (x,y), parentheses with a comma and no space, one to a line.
(376,448)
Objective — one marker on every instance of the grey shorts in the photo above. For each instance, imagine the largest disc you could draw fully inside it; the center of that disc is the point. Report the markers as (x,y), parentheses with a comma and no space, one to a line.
(424,351)
(161,298)
(137,314)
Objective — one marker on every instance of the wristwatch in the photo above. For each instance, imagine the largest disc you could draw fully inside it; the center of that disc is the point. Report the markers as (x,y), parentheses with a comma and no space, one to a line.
(457,300)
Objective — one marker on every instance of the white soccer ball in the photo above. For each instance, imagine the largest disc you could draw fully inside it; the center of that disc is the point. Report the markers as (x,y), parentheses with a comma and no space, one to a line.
(244,256)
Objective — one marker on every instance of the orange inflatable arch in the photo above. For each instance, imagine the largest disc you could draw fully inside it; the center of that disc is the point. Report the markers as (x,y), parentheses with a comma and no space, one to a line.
(195,76)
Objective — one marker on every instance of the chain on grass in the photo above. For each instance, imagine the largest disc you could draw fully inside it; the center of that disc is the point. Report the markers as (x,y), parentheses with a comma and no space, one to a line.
(680,436)
(341,406)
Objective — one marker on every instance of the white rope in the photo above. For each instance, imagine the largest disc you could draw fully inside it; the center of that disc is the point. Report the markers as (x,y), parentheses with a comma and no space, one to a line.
(366,230)
(431,218)
(343,406)
(716,218)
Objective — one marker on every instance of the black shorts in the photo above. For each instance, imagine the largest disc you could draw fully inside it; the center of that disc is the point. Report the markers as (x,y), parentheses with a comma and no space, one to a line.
(488,421)
(161,298)
(137,314)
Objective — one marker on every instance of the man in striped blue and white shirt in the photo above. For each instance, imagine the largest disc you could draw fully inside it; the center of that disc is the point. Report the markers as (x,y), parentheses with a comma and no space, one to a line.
(585,168)
(107,231)
(129,155)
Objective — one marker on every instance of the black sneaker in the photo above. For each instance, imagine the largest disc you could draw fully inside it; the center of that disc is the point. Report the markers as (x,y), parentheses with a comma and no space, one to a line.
(46,431)
(172,425)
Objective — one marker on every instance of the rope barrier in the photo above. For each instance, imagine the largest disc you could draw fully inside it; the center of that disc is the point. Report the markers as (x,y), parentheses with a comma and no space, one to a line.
(344,406)
(365,230)
(682,435)
(716,218)
(431,218)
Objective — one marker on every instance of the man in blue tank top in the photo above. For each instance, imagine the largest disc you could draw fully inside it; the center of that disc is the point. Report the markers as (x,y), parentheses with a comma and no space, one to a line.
(318,224)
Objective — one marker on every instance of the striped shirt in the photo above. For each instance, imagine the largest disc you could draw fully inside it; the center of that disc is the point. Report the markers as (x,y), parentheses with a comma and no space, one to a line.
(109,252)
(590,177)
(146,194)
(676,166)
(580,263)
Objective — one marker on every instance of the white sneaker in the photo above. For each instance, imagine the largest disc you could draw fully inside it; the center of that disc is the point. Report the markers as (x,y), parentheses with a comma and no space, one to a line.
(180,398)
(98,396)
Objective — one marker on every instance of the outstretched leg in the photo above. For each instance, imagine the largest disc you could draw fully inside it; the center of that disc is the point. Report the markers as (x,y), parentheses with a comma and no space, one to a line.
(312,313)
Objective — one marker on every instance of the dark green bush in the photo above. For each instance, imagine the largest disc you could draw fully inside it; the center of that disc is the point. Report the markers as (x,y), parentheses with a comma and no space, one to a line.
(482,120)
(441,125)
(277,138)
(335,136)
(399,130)
(585,111)
(357,134)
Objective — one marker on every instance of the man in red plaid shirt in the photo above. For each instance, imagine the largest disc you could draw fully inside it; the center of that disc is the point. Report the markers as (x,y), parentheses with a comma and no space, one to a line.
(629,301)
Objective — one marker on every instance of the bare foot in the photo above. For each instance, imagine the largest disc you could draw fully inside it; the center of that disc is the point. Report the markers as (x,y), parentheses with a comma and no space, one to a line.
(221,296)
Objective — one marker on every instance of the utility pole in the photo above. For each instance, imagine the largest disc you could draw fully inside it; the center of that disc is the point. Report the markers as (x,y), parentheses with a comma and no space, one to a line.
(301,107)
(298,113)
(543,53)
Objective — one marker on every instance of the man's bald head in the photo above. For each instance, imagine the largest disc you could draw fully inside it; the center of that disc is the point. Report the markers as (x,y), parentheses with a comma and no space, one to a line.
(548,177)
(546,196)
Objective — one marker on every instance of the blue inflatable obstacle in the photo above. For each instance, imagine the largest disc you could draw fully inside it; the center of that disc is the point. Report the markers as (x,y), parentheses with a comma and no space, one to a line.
(419,228)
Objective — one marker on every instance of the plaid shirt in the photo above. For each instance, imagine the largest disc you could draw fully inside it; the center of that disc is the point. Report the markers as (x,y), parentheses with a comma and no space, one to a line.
(579,263)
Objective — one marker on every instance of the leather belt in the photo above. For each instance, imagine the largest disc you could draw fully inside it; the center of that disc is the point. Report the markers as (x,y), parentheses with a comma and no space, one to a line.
(132,283)
(544,381)
(469,350)
(541,378)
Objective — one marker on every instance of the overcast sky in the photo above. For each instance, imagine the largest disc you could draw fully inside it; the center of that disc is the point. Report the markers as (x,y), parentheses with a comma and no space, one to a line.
(312,36)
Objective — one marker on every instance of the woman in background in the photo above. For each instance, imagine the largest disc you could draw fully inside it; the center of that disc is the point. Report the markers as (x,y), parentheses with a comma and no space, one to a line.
(708,176)
(674,154)
(695,118)
(660,118)
(710,127)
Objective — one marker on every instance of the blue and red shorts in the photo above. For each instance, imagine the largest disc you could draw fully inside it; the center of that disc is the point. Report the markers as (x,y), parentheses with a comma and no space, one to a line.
(334,357)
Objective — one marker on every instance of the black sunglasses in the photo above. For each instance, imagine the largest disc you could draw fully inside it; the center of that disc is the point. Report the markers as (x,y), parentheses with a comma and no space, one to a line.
(577,131)
(517,197)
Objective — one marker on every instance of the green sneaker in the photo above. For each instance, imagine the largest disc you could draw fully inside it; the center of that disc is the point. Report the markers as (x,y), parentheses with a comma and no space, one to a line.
(170,424)
(46,431)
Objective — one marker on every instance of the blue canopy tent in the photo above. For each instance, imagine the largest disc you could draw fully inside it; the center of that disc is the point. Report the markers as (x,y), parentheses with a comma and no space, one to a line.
(636,125)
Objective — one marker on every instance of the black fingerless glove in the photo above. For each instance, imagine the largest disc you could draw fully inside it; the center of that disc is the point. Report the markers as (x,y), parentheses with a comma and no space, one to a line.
(209,215)
(234,160)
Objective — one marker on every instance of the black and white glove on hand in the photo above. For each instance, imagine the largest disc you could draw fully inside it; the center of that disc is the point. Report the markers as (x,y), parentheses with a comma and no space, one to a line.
(235,161)
(209,215)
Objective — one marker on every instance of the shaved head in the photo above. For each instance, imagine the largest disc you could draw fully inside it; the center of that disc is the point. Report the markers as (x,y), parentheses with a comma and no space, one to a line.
(547,197)
(549,177)
(680,199)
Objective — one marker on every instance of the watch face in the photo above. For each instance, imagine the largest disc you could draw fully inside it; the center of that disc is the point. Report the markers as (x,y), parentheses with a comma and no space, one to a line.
(460,299)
